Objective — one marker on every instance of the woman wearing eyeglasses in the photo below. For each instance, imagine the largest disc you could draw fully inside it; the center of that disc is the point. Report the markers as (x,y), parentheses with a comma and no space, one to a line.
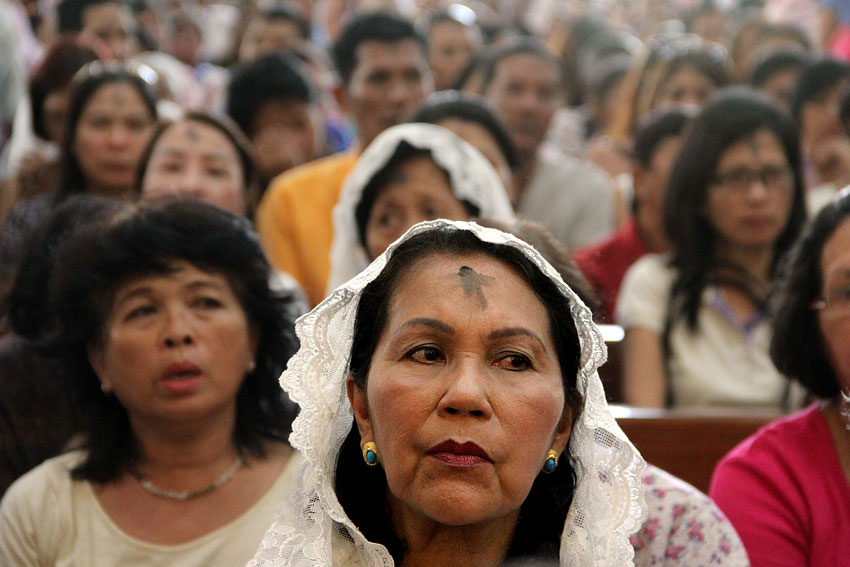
(786,488)
(111,115)
(696,333)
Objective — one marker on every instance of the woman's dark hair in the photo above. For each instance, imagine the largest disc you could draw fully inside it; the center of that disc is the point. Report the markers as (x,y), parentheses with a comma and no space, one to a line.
(732,115)
(85,84)
(378,183)
(778,61)
(30,314)
(65,57)
(797,347)
(362,491)
(813,81)
(148,240)
(445,105)
(228,128)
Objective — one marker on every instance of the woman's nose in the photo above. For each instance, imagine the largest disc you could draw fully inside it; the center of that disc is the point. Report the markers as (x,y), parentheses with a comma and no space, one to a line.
(177,331)
(466,391)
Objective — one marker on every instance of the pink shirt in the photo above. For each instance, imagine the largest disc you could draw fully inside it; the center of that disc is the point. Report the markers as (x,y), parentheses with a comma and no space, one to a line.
(784,491)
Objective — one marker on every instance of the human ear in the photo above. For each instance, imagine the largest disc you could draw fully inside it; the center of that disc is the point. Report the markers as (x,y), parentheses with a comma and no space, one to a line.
(360,405)
(563,431)
(96,358)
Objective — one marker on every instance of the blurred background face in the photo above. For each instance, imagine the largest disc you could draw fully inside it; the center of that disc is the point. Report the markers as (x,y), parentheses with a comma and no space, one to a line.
(194,159)
(749,213)
(111,27)
(650,184)
(55,111)
(451,44)
(416,191)
(285,134)
(820,117)
(686,85)
(267,35)
(780,86)
(526,91)
(389,82)
(480,138)
(112,132)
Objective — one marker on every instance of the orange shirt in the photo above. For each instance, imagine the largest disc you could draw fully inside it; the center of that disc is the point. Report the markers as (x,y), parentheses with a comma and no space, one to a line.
(295,221)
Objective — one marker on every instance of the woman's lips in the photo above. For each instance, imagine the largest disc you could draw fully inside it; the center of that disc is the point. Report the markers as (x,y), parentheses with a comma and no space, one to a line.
(459,455)
(181,378)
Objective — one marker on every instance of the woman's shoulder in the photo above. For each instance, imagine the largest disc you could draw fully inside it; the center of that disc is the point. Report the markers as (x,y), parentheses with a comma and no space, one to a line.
(683,526)
(792,437)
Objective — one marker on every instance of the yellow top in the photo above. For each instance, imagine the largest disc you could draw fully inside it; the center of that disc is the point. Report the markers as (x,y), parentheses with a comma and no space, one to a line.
(295,221)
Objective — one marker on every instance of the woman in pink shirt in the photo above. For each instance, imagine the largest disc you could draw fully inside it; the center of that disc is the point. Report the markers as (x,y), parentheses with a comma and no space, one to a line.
(787,488)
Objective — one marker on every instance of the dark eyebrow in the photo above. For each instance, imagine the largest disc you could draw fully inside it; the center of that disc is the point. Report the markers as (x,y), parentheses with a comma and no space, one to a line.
(514,331)
(427,322)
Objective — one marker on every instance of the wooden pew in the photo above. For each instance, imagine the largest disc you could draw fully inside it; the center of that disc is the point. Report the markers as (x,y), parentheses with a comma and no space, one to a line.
(689,443)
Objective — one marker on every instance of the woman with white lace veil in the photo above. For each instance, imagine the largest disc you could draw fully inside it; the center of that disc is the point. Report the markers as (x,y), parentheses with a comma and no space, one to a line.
(528,401)
(410,173)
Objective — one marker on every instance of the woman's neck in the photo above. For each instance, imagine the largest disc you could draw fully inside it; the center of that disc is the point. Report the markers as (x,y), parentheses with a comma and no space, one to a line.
(757,261)
(179,449)
(430,543)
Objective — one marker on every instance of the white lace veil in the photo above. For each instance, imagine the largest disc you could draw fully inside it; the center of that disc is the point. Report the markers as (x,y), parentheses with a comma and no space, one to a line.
(311,527)
(471,177)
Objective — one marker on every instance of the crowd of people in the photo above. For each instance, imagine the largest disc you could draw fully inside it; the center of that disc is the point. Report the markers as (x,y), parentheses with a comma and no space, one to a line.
(450,197)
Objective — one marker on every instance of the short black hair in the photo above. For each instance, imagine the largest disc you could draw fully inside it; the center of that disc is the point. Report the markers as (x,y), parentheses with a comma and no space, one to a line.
(362,491)
(731,115)
(288,13)
(520,46)
(88,80)
(777,62)
(70,13)
(371,26)
(656,127)
(468,107)
(820,76)
(797,347)
(147,239)
(276,77)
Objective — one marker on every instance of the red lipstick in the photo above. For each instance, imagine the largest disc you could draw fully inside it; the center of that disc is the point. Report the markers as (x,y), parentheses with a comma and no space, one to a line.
(459,455)
(181,378)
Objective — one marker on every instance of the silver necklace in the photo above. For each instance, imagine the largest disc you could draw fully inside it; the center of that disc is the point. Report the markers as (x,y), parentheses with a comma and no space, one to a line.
(185,494)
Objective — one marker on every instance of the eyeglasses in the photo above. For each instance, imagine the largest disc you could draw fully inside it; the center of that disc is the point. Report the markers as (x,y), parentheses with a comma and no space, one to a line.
(740,179)
(836,304)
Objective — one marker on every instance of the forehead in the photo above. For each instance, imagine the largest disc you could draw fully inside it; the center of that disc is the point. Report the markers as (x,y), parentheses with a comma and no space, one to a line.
(434,287)
(106,13)
(374,55)
(195,137)
(120,95)
(759,146)
(527,66)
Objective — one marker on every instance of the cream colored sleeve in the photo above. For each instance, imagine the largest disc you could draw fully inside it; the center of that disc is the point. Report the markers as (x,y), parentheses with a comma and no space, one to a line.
(644,294)
(30,518)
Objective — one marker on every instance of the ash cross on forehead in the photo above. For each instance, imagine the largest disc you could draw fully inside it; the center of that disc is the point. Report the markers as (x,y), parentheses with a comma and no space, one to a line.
(473,282)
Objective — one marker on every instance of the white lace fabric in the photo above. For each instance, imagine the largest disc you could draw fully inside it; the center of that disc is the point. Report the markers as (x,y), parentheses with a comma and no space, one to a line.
(311,527)
(471,177)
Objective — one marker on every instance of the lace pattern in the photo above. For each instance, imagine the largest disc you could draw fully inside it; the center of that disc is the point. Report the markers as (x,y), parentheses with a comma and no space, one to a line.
(472,179)
(312,529)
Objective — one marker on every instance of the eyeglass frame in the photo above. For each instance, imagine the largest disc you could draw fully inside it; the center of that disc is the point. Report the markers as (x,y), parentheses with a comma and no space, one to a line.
(839,307)
(784,179)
